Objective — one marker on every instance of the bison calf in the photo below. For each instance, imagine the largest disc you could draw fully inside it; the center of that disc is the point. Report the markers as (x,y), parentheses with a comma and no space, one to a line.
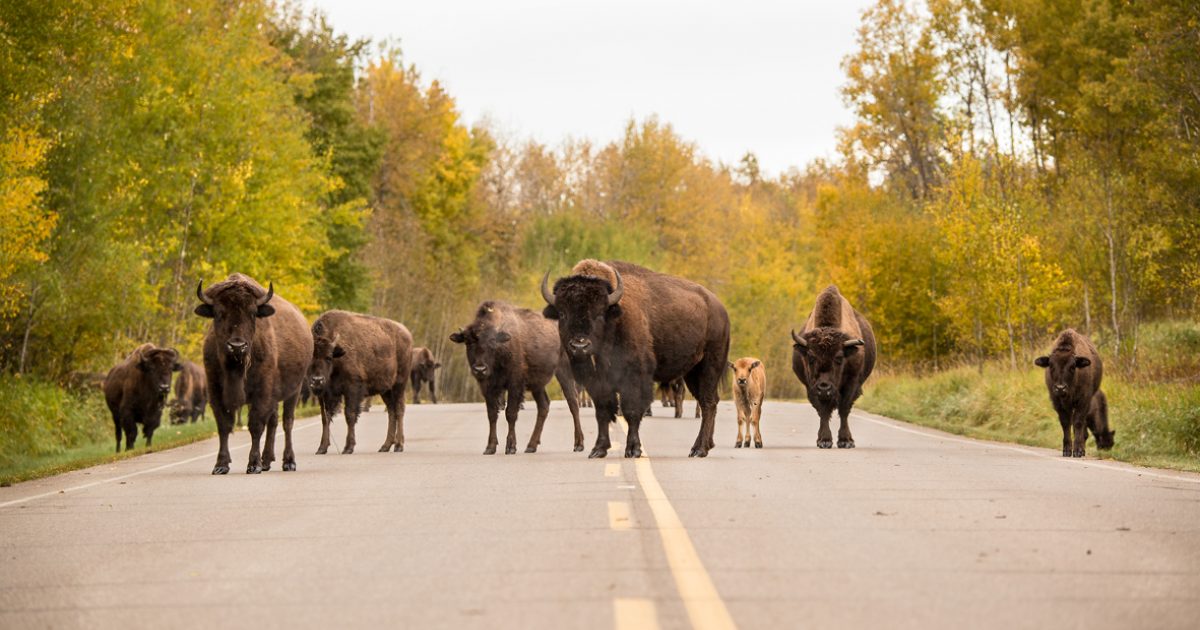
(424,368)
(1073,375)
(355,356)
(509,350)
(191,394)
(833,356)
(136,389)
(749,388)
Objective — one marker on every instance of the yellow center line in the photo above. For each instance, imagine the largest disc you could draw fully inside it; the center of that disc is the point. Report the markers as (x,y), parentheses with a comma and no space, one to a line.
(631,613)
(704,605)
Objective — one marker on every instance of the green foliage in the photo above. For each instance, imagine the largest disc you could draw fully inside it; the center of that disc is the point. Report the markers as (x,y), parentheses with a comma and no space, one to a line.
(40,419)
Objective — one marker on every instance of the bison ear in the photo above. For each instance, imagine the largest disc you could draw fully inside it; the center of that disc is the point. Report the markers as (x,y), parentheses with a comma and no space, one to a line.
(731,366)
(613,312)
(205,310)
(264,310)
(1042,362)
(550,312)
(755,364)
(1082,362)
(457,337)
(178,366)
(338,352)
(436,365)
(503,337)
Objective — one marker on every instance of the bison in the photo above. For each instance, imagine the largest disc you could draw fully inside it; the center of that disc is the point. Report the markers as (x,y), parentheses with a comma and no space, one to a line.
(625,328)
(256,352)
(672,395)
(424,366)
(749,388)
(356,356)
(1073,374)
(833,356)
(191,394)
(510,350)
(136,389)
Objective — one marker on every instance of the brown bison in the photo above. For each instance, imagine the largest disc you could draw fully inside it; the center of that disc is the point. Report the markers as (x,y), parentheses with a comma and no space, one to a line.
(584,399)
(1073,374)
(256,352)
(424,368)
(510,350)
(672,395)
(136,389)
(625,328)
(749,388)
(356,356)
(191,394)
(833,356)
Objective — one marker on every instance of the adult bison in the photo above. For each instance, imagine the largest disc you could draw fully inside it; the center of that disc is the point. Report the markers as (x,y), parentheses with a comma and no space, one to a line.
(833,356)
(135,390)
(1073,375)
(424,368)
(626,328)
(356,356)
(510,350)
(191,394)
(256,352)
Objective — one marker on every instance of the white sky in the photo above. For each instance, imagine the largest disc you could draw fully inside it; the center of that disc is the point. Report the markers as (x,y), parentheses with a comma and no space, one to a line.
(754,75)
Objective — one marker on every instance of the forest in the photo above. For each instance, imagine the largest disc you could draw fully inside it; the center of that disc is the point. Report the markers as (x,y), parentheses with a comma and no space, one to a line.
(1015,167)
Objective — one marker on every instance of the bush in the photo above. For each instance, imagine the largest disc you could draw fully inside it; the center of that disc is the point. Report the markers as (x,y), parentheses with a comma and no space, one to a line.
(38,418)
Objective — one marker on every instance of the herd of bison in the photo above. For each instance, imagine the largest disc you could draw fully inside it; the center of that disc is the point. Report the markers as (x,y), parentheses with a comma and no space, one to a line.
(611,330)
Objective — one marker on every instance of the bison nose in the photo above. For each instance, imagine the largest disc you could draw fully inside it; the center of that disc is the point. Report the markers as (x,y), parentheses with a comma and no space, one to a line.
(824,386)
(317,380)
(741,381)
(236,346)
(479,368)
(580,343)
(162,389)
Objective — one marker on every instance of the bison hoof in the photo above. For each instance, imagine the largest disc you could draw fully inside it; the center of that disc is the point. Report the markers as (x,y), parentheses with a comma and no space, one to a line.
(289,466)
(633,452)
(845,443)
(399,448)
(253,470)
(737,444)
(1078,453)
(385,448)
(220,470)
(578,448)
(349,450)
(598,452)
(530,449)
(510,450)
(758,445)
(1066,451)
(491,450)
(825,443)
(266,466)
(323,450)
(698,452)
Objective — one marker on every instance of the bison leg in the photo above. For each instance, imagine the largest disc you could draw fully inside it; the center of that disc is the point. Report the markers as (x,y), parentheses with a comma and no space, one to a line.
(606,413)
(416,385)
(268,452)
(845,404)
(824,434)
(224,419)
(433,390)
(543,409)
(117,427)
(571,393)
(757,415)
(493,412)
(398,437)
(326,421)
(289,419)
(1079,427)
(703,381)
(257,422)
(738,444)
(353,403)
(515,402)
(1064,419)
(129,424)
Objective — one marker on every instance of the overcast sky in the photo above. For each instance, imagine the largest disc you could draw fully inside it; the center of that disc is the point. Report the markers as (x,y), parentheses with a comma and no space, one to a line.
(752,75)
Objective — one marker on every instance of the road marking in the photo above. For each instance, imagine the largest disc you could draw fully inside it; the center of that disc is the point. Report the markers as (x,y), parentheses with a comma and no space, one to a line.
(705,608)
(619,516)
(631,613)
(135,474)
(929,433)
(612,470)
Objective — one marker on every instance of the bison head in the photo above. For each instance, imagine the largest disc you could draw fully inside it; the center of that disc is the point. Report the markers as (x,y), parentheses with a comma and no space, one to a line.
(1060,370)
(583,306)
(823,352)
(235,310)
(742,370)
(487,345)
(157,364)
(326,350)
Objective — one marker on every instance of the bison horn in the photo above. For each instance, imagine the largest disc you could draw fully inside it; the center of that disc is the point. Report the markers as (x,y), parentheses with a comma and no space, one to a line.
(853,342)
(616,294)
(200,293)
(798,339)
(270,294)
(546,294)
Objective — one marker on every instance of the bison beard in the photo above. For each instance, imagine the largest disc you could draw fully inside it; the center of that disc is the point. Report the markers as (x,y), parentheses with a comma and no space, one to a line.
(623,327)
(256,352)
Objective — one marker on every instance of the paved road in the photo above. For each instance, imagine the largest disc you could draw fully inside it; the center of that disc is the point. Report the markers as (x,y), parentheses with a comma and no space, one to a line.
(913,529)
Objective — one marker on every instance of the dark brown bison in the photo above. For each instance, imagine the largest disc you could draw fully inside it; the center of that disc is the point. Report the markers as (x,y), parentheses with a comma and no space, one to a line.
(191,394)
(256,353)
(584,399)
(136,389)
(672,395)
(1073,375)
(833,356)
(510,350)
(424,368)
(356,356)
(625,328)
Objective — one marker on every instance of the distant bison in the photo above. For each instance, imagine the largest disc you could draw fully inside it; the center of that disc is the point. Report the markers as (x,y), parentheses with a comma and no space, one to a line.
(672,395)
(356,356)
(136,389)
(256,353)
(191,394)
(625,328)
(749,389)
(1073,375)
(584,399)
(510,350)
(424,368)
(833,356)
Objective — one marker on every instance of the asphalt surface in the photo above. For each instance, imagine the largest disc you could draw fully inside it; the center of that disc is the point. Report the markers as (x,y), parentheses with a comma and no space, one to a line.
(912,529)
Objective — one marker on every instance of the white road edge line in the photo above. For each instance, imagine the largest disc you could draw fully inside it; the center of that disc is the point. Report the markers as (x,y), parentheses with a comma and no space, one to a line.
(135,474)
(929,433)
(705,608)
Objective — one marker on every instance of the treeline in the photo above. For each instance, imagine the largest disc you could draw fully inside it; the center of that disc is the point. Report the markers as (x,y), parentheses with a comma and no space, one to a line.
(1016,167)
